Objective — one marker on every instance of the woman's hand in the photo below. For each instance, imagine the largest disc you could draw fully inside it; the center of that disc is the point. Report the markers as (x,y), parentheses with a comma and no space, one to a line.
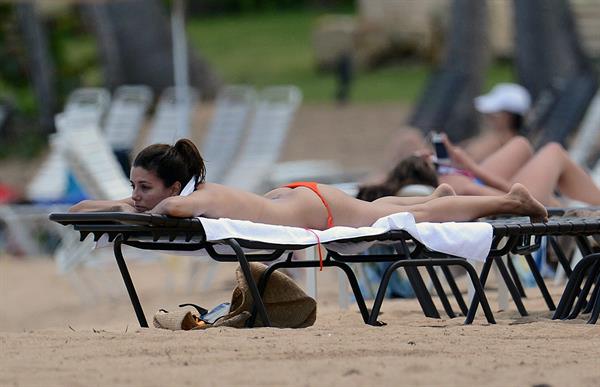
(459,157)
(122,207)
(163,207)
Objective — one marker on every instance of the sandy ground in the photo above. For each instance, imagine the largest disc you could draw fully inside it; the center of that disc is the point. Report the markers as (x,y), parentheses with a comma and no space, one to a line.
(79,329)
(53,334)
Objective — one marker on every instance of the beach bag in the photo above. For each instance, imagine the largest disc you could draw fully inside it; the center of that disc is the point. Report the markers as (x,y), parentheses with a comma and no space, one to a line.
(288,306)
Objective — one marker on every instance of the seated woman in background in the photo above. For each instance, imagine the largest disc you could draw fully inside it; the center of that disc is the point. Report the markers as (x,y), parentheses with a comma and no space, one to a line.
(543,173)
(162,174)
(503,110)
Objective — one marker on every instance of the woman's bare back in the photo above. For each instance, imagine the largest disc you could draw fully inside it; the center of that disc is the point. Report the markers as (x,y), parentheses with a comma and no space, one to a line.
(298,207)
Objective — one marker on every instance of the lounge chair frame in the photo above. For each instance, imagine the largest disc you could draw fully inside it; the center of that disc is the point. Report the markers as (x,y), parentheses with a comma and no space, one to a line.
(515,235)
(157,232)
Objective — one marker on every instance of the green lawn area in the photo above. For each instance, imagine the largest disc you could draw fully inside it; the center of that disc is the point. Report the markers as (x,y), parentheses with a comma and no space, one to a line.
(265,49)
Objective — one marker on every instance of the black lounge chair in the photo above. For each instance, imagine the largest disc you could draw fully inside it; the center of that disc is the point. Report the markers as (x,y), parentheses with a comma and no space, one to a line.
(158,232)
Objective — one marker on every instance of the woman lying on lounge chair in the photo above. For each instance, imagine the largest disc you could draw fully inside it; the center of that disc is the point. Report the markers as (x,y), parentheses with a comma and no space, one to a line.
(543,173)
(161,172)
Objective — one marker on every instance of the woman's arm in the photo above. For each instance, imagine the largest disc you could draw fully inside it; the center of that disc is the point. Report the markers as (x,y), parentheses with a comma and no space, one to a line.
(466,186)
(490,179)
(123,205)
(462,160)
(182,206)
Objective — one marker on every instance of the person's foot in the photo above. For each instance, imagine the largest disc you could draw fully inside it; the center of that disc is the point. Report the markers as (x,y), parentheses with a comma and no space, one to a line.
(443,190)
(525,204)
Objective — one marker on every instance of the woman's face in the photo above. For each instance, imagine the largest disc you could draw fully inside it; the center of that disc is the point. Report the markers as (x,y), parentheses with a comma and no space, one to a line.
(498,120)
(148,189)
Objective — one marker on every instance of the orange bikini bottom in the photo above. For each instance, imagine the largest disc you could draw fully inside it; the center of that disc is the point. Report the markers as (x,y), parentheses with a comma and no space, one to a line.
(315,188)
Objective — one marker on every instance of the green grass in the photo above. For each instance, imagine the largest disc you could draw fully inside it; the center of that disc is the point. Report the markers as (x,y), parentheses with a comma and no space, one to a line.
(275,48)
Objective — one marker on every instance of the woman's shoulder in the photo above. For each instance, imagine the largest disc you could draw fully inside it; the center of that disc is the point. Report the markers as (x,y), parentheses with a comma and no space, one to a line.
(208,190)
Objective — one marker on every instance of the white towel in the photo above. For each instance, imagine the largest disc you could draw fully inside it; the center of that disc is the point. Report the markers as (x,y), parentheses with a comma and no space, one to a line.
(470,240)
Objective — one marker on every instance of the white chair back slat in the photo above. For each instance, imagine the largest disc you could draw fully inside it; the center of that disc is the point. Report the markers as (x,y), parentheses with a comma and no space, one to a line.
(95,166)
(50,182)
(266,137)
(233,109)
(126,115)
(165,128)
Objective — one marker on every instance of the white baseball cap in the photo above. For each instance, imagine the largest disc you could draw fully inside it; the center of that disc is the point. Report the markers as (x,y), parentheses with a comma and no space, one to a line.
(508,97)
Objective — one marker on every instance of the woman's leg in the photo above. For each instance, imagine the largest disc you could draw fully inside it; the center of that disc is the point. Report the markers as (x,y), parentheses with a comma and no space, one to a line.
(512,156)
(349,211)
(517,201)
(551,169)
(440,191)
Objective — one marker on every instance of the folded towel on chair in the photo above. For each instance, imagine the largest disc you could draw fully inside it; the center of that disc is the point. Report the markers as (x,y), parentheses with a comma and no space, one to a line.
(470,240)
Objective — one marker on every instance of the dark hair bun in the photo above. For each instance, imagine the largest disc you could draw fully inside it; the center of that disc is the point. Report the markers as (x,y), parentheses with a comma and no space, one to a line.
(191,156)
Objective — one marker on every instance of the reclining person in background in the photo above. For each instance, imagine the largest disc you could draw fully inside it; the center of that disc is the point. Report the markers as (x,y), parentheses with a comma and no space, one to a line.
(162,175)
(543,173)
(503,108)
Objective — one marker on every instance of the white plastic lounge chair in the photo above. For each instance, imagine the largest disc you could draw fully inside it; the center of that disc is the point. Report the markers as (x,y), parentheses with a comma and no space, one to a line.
(50,182)
(126,116)
(86,106)
(233,109)
(96,169)
(164,128)
(263,144)
(94,165)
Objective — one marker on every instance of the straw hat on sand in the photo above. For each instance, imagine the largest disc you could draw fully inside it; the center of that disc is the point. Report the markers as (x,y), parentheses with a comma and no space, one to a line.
(286,303)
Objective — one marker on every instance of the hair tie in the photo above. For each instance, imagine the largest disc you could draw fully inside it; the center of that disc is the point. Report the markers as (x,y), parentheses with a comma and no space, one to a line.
(189,187)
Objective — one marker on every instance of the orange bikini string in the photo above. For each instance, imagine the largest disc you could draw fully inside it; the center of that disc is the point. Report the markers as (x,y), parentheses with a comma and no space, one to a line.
(318,248)
(315,188)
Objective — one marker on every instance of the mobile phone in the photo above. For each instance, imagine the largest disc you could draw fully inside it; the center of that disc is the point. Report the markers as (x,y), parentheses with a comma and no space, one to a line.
(439,149)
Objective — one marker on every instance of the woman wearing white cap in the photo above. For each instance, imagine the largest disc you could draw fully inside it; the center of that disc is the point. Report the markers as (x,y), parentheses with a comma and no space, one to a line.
(504,109)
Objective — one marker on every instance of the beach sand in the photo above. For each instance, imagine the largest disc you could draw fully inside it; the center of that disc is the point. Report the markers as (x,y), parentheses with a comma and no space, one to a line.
(80,329)
(51,335)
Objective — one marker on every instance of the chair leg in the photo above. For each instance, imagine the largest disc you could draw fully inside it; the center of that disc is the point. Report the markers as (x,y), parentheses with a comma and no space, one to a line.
(457,294)
(582,297)
(594,296)
(423,296)
(573,286)
(596,310)
(432,262)
(485,271)
(362,306)
(515,275)
(480,294)
(135,301)
(258,302)
(416,281)
(562,258)
(381,293)
(439,289)
(540,282)
(264,279)
(511,286)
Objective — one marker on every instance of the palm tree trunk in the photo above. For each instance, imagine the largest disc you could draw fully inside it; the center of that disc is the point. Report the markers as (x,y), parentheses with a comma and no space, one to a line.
(137,48)
(447,102)
(40,65)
